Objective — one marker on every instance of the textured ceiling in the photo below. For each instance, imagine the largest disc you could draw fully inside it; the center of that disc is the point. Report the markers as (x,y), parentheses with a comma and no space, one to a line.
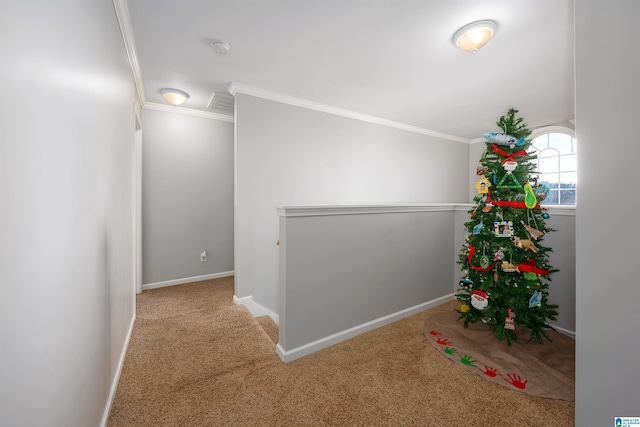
(392,59)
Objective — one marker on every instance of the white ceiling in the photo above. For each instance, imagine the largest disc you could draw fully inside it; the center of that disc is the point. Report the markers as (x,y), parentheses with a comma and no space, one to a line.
(392,59)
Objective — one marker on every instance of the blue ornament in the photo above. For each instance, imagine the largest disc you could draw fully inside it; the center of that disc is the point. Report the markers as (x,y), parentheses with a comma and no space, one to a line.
(546,215)
(478,228)
(536,300)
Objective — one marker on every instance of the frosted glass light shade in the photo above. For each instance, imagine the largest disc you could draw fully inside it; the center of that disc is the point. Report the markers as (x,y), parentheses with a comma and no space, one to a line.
(473,36)
(175,96)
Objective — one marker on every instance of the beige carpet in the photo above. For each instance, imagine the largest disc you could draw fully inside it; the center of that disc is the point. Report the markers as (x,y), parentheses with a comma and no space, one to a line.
(269,326)
(545,370)
(195,359)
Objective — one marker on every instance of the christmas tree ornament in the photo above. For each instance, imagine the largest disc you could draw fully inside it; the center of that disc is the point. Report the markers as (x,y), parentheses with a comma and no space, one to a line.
(525,244)
(477,228)
(480,170)
(484,259)
(495,274)
(466,283)
(542,190)
(479,299)
(503,228)
(504,139)
(483,185)
(508,267)
(487,207)
(536,299)
(509,180)
(509,164)
(464,308)
(471,252)
(498,255)
(508,323)
(530,276)
(530,200)
(546,215)
(533,232)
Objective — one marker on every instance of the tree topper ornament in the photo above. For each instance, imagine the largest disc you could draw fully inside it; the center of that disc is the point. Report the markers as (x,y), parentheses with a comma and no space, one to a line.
(504,139)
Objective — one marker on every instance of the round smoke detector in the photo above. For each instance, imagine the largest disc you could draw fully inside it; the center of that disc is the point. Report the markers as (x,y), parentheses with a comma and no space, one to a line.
(221,48)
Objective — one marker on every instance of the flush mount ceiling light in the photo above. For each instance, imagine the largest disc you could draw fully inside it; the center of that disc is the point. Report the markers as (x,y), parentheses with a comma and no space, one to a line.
(473,36)
(221,48)
(174,96)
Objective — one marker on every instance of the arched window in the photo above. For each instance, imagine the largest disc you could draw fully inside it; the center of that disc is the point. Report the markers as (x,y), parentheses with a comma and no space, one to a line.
(556,163)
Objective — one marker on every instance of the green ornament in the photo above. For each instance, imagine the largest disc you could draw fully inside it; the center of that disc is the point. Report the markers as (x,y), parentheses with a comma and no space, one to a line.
(484,262)
(530,200)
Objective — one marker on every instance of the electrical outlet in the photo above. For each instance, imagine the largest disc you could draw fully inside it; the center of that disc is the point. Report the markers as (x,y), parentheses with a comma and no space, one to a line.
(203,256)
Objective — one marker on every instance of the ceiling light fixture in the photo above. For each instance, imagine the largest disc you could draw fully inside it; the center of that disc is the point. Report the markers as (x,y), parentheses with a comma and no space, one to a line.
(473,36)
(221,48)
(174,96)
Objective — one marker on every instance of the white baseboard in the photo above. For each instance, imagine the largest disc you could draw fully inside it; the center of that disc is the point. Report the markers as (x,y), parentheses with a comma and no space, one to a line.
(567,332)
(186,280)
(256,309)
(312,347)
(116,378)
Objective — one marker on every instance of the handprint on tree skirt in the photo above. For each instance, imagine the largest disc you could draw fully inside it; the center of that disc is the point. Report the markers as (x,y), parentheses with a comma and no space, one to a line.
(490,372)
(467,360)
(443,341)
(450,350)
(435,333)
(516,381)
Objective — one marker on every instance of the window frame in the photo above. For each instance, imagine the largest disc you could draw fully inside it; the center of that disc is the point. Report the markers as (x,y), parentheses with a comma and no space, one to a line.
(564,130)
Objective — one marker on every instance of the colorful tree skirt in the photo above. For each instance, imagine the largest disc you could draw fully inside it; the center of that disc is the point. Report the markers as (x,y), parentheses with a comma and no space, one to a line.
(545,370)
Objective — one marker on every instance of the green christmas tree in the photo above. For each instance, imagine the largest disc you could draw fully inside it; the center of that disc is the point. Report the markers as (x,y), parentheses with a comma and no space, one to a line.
(505,264)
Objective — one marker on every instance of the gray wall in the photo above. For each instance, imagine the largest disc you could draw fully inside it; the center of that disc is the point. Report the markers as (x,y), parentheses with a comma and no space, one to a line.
(475,153)
(562,286)
(66,191)
(287,155)
(341,271)
(607,235)
(187,196)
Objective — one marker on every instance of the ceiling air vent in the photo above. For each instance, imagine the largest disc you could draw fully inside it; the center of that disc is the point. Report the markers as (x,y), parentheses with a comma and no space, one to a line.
(221,103)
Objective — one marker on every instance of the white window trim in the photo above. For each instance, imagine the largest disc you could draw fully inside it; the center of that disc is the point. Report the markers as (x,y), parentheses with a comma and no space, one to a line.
(554,129)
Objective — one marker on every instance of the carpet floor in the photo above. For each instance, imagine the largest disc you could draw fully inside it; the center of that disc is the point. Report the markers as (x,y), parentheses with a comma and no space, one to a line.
(196,359)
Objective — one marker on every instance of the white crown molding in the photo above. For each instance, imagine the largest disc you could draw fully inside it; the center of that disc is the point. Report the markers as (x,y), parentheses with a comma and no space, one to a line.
(187,111)
(539,131)
(303,103)
(124,21)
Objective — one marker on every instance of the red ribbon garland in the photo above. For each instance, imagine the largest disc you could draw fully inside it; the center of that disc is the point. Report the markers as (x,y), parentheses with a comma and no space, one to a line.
(508,156)
(520,205)
(530,266)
